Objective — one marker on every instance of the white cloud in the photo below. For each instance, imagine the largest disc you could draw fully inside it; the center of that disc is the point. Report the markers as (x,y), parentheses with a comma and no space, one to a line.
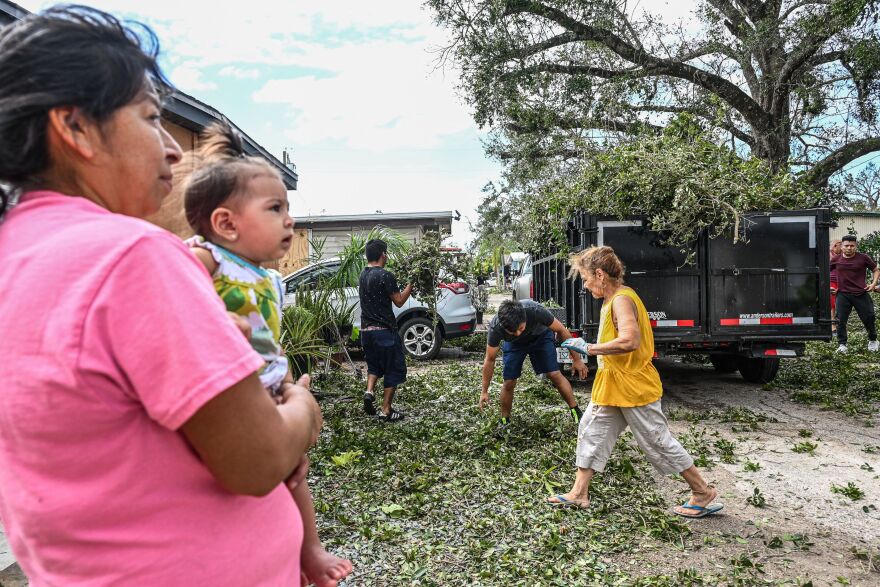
(381,96)
(239,72)
(190,79)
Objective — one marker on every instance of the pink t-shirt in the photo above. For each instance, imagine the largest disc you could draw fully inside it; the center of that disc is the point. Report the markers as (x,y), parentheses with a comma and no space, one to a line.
(112,337)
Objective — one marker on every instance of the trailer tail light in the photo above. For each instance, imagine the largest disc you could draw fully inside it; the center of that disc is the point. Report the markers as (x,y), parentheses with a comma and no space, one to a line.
(532,289)
(780,353)
(672,323)
(457,287)
(767,321)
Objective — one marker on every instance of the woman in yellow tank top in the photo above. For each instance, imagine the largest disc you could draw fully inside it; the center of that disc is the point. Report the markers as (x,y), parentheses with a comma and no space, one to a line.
(626,390)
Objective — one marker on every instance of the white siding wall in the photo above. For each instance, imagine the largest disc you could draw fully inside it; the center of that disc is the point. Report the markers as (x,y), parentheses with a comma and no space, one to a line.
(337,238)
(862,225)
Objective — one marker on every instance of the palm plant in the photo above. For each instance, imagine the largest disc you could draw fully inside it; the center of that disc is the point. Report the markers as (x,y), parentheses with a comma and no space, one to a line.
(353,257)
(301,338)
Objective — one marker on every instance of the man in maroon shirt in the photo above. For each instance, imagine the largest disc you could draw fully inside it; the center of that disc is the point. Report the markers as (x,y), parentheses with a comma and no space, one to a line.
(852,291)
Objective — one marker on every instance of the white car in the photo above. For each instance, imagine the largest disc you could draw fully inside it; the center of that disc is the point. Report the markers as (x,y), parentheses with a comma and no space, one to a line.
(523,285)
(457,316)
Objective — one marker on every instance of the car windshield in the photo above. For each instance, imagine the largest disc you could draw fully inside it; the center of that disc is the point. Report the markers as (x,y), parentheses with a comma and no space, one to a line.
(311,277)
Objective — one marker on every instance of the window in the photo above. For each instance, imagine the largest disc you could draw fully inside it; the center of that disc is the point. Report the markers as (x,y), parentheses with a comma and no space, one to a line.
(310,278)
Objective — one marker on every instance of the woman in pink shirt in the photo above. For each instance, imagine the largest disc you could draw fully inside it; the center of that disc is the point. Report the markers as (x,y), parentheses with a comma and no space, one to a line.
(137,445)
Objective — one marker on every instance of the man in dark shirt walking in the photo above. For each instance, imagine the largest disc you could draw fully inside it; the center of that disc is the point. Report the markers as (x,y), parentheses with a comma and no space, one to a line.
(382,345)
(852,291)
(527,329)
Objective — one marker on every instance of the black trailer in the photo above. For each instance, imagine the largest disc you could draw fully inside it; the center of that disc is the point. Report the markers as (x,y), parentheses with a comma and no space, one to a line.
(745,304)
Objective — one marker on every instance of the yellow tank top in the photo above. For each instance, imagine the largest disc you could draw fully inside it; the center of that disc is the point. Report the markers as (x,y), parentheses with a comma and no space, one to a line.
(628,380)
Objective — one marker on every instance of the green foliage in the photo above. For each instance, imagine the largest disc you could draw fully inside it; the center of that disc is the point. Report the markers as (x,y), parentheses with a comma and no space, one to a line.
(438,500)
(301,338)
(751,466)
(475,343)
(353,256)
(681,181)
(805,447)
(850,490)
(757,498)
(425,265)
(843,382)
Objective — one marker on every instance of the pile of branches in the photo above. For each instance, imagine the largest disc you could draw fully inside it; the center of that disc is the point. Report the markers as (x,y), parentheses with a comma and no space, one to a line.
(681,181)
(425,265)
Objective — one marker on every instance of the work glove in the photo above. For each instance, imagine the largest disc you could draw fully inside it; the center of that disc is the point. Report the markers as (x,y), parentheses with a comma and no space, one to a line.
(576,344)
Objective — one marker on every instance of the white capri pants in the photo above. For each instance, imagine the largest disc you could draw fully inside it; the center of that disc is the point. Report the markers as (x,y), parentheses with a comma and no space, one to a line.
(601,425)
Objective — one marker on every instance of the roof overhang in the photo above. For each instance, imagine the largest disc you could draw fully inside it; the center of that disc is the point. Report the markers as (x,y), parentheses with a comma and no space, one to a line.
(444,217)
(11,12)
(192,114)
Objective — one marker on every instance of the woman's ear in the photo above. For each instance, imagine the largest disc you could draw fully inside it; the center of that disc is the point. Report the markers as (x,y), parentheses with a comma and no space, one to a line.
(223,224)
(69,129)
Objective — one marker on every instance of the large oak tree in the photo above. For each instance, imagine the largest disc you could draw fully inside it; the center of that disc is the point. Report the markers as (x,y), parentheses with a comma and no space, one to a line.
(791,82)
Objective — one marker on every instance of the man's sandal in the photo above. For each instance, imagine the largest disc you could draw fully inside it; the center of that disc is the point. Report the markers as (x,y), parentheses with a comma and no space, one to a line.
(369,404)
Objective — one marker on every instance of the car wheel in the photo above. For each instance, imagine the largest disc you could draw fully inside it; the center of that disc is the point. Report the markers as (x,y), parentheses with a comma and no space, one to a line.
(420,339)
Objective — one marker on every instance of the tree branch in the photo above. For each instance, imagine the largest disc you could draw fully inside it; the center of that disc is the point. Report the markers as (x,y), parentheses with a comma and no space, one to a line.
(821,171)
(725,89)
(557,41)
(608,124)
(576,70)
(798,5)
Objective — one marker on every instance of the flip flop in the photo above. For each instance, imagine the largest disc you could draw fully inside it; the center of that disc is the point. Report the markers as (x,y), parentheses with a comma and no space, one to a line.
(701,512)
(567,503)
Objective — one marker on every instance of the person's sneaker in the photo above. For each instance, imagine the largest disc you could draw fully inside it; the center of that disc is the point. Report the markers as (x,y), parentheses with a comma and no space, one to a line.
(369,404)
(874,346)
(503,427)
(842,349)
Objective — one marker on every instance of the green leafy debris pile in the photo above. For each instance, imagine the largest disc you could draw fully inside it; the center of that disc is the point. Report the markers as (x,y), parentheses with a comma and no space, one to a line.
(440,499)
(681,181)
(842,382)
(426,264)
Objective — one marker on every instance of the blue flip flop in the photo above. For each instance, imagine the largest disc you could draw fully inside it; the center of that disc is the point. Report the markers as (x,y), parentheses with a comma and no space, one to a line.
(701,512)
(567,503)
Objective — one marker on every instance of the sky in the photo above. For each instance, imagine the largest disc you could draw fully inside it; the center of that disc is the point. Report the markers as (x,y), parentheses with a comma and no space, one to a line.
(352,89)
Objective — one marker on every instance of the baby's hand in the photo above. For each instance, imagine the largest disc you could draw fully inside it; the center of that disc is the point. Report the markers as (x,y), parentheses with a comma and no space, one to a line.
(241,324)
(299,474)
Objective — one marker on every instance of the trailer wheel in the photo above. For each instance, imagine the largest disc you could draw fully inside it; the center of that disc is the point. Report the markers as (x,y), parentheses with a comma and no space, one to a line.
(724,363)
(758,370)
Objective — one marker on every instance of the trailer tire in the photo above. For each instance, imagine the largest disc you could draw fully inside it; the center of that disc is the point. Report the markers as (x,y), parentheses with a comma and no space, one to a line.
(758,370)
(724,363)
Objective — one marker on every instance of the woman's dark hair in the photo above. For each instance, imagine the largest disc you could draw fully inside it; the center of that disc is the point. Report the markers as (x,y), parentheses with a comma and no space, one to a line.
(220,169)
(510,315)
(65,56)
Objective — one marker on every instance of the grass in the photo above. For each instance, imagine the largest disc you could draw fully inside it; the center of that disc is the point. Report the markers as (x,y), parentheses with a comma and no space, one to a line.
(439,500)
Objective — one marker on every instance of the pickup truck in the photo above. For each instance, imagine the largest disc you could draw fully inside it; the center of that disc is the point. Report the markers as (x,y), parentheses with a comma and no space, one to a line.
(746,304)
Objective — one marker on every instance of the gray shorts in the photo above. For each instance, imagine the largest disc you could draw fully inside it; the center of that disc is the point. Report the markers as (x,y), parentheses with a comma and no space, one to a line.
(601,425)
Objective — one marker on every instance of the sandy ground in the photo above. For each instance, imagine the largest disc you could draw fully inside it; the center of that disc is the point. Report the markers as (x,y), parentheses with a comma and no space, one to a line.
(796,486)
